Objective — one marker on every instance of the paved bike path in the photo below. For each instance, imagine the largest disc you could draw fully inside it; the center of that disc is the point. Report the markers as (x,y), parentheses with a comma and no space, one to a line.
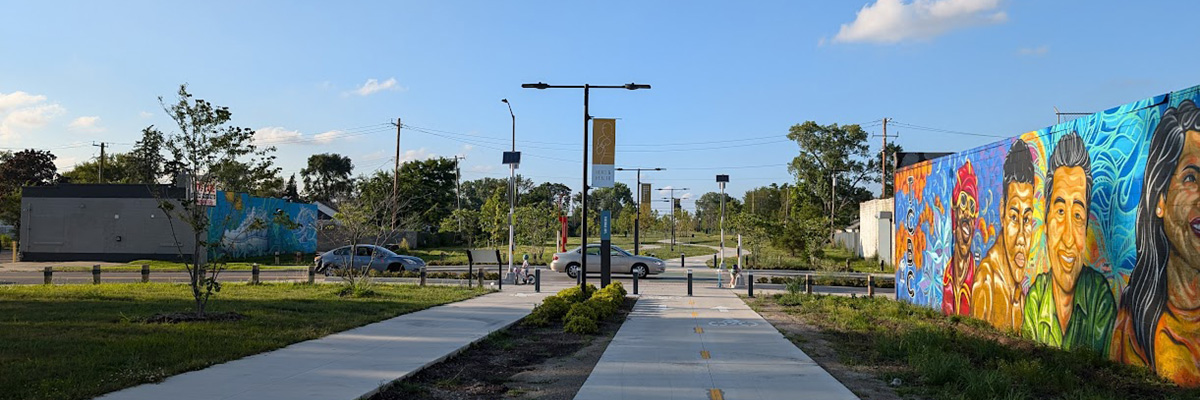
(353,363)
(710,346)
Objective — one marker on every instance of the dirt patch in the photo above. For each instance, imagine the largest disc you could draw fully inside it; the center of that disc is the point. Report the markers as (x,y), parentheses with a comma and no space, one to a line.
(520,362)
(175,318)
(859,379)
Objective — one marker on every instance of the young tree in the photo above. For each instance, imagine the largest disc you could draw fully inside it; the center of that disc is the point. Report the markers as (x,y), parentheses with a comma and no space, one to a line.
(465,223)
(205,144)
(327,177)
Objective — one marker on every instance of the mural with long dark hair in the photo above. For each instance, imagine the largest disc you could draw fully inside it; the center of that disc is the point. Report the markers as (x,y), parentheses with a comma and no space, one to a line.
(1082,235)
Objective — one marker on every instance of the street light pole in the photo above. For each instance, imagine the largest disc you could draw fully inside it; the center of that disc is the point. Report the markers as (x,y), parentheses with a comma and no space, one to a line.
(721,181)
(672,208)
(584,192)
(637,218)
(512,185)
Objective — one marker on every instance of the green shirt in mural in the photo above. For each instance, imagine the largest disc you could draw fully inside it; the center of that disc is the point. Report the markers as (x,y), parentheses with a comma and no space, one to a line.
(1091,321)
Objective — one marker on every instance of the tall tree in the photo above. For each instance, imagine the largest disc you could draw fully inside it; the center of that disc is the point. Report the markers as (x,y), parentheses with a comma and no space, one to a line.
(327,177)
(146,163)
(290,192)
(890,171)
(831,153)
(708,209)
(20,169)
(476,192)
(546,193)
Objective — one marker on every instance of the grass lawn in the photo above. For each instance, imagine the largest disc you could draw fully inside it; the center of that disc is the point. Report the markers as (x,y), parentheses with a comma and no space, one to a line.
(80,341)
(959,358)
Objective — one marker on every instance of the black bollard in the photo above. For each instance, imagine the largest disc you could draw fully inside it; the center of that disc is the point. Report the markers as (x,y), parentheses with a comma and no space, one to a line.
(312,274)
(145,273)
(96,274)
(537,281)
(254,273)
(422,276)
(689,282)
(750,283)
(714,261)
(870,286)
(635,284)
(681,260)
(48,275)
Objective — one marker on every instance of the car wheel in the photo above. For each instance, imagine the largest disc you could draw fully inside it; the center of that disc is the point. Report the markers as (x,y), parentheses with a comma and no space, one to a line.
(573,270)
(395,267)
(640,270)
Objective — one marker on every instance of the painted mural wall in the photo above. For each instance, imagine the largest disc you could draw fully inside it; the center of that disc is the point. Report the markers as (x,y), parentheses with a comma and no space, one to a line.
(233,225)
(1085,234)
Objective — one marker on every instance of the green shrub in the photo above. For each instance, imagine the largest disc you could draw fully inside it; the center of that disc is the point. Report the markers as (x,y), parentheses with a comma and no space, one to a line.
(553,308)
(581,325)
(5,242)
(585,309)
(618,287)
(603,307)
(795,286)
(575,295)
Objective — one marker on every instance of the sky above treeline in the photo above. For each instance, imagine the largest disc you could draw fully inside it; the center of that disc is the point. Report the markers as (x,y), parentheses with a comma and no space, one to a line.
(729,78)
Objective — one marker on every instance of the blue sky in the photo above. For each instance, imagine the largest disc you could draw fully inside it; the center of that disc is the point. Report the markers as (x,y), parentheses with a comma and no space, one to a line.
(328,77)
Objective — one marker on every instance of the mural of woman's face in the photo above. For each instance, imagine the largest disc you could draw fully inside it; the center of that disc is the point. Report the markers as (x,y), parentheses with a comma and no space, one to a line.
(1180,210)
(1018,223)
(1066,225)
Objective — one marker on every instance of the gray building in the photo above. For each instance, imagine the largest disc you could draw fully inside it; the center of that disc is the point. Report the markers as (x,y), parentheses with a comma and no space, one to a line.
(116,223)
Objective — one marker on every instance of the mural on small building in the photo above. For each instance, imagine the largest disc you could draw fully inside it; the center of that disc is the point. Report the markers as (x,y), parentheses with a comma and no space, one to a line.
(233,225)
(1085,234)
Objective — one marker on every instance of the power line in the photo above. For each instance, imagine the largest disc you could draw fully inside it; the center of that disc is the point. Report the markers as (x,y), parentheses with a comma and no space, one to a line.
(939,130)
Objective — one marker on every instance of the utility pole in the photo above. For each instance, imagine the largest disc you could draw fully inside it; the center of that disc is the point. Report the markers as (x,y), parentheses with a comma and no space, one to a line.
(101,177)
(458,190)
(883,163)
(396,173)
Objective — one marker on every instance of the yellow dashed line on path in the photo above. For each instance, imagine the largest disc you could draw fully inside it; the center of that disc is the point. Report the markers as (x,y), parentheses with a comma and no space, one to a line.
(694,314)
(691,302)
(705,355)
(699,330)
(715,394)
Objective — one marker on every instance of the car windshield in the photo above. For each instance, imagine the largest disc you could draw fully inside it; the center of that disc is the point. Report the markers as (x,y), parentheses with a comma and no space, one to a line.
(617,251)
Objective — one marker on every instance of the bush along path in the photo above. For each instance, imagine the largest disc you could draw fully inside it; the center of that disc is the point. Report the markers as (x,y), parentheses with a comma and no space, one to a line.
(548,355)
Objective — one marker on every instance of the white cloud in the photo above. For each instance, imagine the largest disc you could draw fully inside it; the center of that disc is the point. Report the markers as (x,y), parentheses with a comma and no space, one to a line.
(1034,51)
(374,86)
(271,135)
(466,148)
(14,100)
(414,155)
(277,135)
(86,124)
(15,120)
(145,114)
(893,21)
(686,195)
(326,137)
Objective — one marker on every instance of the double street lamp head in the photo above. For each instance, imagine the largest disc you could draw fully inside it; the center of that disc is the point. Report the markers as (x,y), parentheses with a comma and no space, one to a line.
(543,85)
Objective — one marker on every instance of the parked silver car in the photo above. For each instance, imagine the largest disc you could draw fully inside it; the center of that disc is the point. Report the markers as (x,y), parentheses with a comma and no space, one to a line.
(622,262)
(366,256)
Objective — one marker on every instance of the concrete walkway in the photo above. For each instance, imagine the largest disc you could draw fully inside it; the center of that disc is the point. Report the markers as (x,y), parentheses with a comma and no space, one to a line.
(710,346)
(353,363)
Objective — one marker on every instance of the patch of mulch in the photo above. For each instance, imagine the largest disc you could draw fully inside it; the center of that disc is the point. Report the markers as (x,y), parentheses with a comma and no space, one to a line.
(860,379)
(521,362)
(175,318)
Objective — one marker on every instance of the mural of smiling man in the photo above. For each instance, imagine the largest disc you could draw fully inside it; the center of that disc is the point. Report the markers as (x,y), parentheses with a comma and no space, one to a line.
(1070,306)
(1159,320)
(997,295)
(956,283)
